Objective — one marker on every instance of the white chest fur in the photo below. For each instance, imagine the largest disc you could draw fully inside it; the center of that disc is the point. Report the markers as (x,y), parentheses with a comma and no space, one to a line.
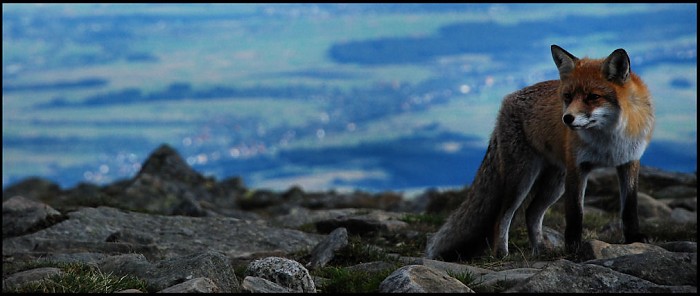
(610,147)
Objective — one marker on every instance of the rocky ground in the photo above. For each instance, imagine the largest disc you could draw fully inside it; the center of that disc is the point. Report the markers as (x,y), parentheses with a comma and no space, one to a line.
(173,230)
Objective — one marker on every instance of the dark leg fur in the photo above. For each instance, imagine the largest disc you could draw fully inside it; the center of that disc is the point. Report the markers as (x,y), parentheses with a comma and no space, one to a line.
(628,176)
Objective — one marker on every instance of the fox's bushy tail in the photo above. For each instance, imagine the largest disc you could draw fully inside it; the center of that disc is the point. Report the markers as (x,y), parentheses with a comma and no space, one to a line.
(469,230)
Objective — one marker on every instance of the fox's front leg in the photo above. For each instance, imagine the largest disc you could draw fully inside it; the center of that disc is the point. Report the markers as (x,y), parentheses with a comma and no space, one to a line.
(628,176)
(575,189)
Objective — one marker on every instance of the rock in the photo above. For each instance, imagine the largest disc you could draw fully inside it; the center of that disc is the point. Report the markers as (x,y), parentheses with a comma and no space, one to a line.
(73,246)
(89,228)
(683,216)
(648,207)
(80,257)
(421,279)
(125,264)
(259,199)
(669,268)
(254,284)
(563,276)
(688,203)
(325,250)
(167,273)
(552,238)
(21,215)
(651,180)
(595,249)
(374,221)
(82,195)
(372,267)
(284,272)
(298,216)
(209,264)
(130,291)
(131,236)
(676,191)
(167,164)
(24,277)
(196,285)
(505,279)
(332,200)
(34,188)
(164,185)
(182,232)
(450,267)
(680,246)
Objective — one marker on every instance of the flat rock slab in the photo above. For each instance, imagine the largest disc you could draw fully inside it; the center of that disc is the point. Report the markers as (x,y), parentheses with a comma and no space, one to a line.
(171,235)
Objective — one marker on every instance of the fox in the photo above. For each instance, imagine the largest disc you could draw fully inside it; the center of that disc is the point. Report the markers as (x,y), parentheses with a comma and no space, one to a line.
(547,138)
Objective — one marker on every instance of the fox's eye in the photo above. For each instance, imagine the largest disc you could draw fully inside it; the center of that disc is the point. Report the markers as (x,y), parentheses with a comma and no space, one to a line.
(592,97)
(568,97)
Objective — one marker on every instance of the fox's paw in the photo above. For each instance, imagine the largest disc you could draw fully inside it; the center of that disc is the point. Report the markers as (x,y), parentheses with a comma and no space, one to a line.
(500,252)
(636,238)
(542,248)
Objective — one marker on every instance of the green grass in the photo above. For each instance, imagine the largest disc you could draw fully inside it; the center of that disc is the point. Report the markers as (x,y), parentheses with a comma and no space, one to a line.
(344,280)
(80,278)
(471,280)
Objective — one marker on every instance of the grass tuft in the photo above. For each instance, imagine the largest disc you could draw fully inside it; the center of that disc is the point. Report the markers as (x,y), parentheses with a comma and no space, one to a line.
(81,278)
(344,280)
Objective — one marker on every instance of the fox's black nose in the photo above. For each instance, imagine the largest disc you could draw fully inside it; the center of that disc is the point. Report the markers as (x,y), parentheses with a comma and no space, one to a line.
(568,119)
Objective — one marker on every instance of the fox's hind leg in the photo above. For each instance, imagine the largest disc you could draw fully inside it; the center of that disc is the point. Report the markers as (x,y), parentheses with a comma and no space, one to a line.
(518,183)
(549,188)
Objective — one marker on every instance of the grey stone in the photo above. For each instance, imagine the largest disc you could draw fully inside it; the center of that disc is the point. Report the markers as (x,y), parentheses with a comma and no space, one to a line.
(21,215)
(255,284)
(284,272)
(298,216)
(688,203)
(669,268)
(683,216)
(676,191)
(362,223)
(421,279)
(325,250)
(450,267)
(501,280)
(196,285)
(372,267)
(595,249)
(166,273)
(24,277)
(680,246)
(648,207)
(564,276)
(130,291)
(174,235)
(34,188)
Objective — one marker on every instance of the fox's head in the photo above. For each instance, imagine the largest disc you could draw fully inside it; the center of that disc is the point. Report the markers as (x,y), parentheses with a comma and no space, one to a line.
(589,88)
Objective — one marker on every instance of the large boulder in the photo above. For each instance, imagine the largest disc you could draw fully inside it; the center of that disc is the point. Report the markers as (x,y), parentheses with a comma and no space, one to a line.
(284,272)
(22,215)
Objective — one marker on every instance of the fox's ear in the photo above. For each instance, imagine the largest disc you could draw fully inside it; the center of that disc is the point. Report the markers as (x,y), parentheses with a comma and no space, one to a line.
(616,67)
(564,60)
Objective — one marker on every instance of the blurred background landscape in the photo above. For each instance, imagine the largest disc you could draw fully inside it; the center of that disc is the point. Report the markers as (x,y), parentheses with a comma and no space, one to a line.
(323,96)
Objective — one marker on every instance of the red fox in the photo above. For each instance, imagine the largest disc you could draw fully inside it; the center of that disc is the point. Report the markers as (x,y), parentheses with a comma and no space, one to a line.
(547,138)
